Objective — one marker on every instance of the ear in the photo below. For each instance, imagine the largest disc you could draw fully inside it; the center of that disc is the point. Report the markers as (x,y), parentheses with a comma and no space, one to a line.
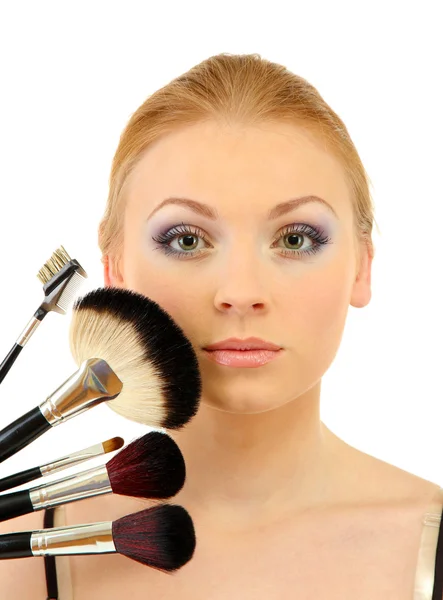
(361,291)
(112,272)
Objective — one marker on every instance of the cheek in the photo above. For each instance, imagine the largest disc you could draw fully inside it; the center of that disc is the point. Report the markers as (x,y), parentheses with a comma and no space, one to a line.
(139,272)
(318,310)
(180,299)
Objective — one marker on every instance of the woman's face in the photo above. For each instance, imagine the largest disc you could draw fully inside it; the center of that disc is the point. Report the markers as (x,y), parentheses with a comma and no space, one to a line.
(288,279)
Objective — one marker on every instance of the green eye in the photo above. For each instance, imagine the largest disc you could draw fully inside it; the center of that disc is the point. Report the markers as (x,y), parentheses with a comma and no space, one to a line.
(295,233)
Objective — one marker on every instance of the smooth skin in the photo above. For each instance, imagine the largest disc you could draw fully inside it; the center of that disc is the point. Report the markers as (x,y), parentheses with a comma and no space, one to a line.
(282,507)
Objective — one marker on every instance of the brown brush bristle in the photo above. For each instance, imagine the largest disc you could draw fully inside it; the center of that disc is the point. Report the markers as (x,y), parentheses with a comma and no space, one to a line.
(145,348)
(151,466)
(162,537)
(113,444)
(53,265)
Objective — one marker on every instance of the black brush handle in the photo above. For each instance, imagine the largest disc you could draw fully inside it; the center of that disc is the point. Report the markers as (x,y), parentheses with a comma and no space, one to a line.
(9,360)
(15,505)
(12,481)
(22,432)
(15,545)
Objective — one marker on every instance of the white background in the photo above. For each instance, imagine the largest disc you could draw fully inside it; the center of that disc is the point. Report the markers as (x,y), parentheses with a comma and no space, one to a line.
(72,73)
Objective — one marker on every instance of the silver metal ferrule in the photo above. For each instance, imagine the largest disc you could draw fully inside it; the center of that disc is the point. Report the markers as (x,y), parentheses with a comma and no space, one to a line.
(28,331)
(85,484)
(93,383)
(72,459)
(92,538)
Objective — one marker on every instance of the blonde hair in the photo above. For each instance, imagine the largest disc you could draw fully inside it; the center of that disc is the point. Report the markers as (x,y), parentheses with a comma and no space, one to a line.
(229,88)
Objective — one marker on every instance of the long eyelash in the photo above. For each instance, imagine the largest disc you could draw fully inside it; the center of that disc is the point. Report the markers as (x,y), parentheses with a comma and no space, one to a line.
(165,238)
(318,236)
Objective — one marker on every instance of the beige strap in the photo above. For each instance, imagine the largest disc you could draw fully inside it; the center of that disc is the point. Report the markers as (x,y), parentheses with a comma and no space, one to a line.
(64,579)
(424,576)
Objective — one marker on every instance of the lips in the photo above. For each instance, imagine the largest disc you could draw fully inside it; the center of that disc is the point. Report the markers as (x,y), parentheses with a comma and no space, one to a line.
(238,344)
(251,352)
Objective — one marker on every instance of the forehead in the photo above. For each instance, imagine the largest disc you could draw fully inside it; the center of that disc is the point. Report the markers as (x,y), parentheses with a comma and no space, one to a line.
(267,163)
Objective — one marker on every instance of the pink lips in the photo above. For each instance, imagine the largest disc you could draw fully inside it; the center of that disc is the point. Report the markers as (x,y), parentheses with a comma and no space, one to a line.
(234,352)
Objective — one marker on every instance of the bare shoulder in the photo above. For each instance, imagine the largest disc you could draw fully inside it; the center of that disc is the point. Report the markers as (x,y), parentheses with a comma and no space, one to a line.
(23,577)
(370,481)
(391,484)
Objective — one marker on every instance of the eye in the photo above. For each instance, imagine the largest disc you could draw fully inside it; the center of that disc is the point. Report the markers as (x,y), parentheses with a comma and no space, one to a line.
(295,240)
(296,236)
(187,239)
(190,241)
(181,232)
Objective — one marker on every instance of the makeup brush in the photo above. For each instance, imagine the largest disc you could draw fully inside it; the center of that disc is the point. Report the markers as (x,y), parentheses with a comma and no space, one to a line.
(145,360)
(146,348)
(61,276)
(162,537)
(151,466)
(59,464)
(94,382)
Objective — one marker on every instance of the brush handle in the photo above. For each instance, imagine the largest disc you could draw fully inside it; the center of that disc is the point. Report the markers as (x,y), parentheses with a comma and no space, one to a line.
(9,360)
(21,342)
(12,481)
(15,505)
(22,432)
(15,545)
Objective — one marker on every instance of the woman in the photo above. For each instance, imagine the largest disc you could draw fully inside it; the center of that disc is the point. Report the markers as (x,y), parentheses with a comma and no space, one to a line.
(239,203)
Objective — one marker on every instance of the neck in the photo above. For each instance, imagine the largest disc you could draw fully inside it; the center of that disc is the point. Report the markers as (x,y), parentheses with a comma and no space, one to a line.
(249,468)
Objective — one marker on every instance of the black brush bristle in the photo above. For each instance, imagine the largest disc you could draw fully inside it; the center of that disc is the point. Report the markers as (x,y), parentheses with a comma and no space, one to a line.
(167,347)
(162,537)
(150,467)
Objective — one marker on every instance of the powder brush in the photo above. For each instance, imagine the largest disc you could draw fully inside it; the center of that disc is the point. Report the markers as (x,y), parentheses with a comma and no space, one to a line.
(61,276)
(151,466)
(162,537)
(58,464)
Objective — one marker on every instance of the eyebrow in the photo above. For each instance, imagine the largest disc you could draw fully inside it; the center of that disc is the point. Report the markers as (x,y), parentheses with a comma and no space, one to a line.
(211,213)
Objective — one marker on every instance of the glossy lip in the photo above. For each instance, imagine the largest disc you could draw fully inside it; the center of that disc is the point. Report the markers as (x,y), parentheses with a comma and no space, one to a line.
(242,358)
(251,343)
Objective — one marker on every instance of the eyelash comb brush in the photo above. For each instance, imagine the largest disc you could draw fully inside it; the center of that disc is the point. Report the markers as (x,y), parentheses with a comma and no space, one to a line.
(61,276)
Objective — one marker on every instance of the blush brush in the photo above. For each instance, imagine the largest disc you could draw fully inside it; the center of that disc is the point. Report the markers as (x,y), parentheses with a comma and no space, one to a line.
(61,276)
(65,462)
(131,355)
(151,466)
(161,537)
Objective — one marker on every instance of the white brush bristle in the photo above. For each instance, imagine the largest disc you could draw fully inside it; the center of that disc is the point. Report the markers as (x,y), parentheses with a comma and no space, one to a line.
(95,334)
(53,265)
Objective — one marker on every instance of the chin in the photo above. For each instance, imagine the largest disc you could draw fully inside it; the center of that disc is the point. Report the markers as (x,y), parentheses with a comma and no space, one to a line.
(243,391)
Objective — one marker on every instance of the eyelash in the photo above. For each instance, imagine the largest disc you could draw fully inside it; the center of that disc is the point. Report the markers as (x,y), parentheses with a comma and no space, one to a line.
(317,235)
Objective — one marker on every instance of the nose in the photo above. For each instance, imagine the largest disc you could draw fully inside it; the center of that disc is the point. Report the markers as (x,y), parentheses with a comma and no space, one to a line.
(243,286)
